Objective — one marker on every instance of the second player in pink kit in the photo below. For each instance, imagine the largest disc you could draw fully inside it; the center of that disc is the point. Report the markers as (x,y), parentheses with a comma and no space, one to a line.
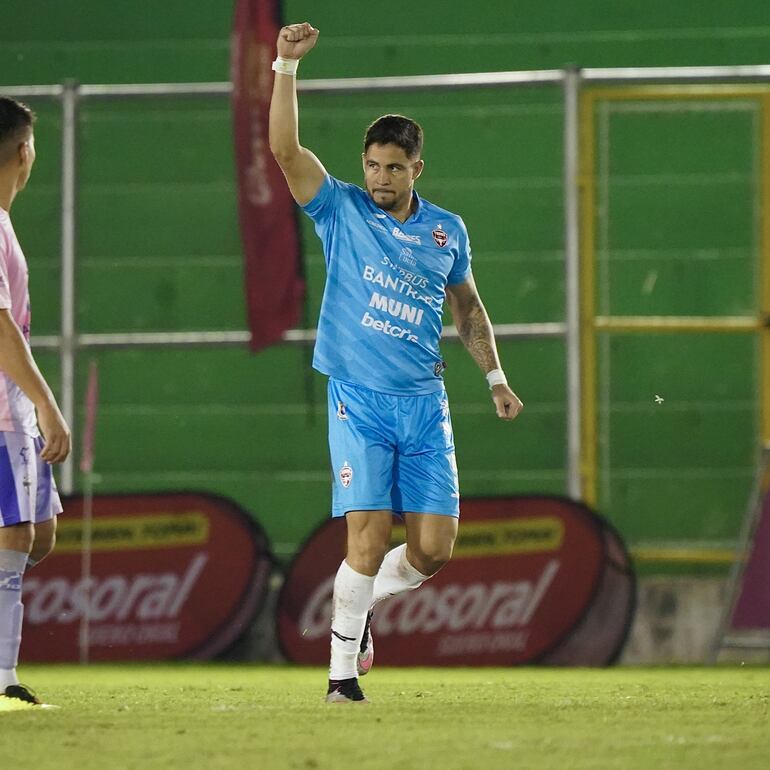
(29,502)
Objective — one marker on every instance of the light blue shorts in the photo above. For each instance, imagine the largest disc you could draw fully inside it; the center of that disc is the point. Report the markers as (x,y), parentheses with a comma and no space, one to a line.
(391,452)
(27,488)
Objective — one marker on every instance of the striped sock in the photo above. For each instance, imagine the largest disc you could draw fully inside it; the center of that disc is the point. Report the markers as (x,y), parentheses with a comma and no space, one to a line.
(12,565)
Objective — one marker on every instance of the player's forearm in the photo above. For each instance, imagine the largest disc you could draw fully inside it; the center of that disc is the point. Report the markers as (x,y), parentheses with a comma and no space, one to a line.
(475,330)
(16,362)
(284,121)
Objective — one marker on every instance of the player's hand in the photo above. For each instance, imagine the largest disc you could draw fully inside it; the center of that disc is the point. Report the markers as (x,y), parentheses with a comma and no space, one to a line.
(507,403)
(56,434)
(295,40)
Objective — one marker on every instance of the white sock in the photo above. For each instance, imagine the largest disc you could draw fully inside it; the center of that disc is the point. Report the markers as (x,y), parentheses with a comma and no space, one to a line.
(12,564)
(396,575)
(7,677)
(352,599)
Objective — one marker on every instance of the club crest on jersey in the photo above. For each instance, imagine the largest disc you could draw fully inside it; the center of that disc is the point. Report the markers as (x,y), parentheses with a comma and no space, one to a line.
(440,237)
(346,474)
(342,411)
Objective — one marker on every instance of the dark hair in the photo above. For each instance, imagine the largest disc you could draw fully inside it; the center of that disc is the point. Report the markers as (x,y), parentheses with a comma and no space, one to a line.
(16,120)
(398,130)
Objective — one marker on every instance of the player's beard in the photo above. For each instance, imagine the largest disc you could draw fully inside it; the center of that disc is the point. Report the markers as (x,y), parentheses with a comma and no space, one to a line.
(386,202)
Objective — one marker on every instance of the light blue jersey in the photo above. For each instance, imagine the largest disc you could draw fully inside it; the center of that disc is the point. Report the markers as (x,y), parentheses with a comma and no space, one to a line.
(380,321)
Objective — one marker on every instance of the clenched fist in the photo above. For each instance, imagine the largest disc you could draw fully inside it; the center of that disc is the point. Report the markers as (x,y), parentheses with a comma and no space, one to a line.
(507,403)
(295,40)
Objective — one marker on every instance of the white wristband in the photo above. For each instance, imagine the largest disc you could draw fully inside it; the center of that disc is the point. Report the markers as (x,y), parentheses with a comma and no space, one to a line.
(285,66)
(496,377)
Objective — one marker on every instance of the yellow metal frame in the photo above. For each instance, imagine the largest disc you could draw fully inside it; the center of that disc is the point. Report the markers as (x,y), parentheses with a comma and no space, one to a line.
(662,555)
(764,271)
(590,323)
(661,323)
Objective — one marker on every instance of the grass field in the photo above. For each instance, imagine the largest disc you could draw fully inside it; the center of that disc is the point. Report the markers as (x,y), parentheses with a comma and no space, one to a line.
(234,716)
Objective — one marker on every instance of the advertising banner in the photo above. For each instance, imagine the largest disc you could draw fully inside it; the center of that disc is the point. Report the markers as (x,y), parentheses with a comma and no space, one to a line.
(172,576)
(275,287)
(531,579)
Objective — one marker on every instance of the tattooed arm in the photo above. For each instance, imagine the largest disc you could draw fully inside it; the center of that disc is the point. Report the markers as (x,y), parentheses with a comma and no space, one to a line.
(475,331)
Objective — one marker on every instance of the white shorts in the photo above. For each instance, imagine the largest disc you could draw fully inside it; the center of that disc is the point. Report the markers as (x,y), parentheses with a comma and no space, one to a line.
(27,487)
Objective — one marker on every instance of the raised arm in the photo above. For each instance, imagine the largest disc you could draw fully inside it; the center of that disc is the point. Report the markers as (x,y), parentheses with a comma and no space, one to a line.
(303,171)
(475,331)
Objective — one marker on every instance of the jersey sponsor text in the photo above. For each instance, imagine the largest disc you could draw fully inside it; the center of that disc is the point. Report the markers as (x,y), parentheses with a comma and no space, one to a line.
(386,327)
(396,308)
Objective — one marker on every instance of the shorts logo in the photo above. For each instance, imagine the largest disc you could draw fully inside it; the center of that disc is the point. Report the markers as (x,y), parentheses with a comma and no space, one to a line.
(440,237)
(342,411)
(26,483)
(346,474)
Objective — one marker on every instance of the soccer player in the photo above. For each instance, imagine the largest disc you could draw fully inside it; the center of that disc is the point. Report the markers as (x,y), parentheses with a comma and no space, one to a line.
(392,258)
(29,502)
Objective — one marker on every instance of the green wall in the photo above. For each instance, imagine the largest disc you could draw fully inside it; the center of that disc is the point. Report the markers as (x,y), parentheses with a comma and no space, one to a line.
(677,234)
(158,247)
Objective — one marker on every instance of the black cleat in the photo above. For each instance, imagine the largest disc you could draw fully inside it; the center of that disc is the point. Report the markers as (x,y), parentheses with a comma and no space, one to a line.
(22,693)
(345,691)
(19,696)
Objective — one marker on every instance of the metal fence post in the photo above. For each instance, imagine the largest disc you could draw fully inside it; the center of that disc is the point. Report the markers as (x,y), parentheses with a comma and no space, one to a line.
(68,333)
(572,279)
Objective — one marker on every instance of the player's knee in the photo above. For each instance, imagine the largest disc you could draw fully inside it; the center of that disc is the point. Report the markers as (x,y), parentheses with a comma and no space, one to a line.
(17,537)
(365,557)
(432,557)
(41,549)
(44,540)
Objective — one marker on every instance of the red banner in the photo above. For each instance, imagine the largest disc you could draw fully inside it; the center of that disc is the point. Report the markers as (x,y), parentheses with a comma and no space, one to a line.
(752,609)
(275,287)
(532,579)
(173,576)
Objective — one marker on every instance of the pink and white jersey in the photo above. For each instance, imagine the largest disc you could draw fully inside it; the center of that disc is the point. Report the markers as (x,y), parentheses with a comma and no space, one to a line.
(17,413)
